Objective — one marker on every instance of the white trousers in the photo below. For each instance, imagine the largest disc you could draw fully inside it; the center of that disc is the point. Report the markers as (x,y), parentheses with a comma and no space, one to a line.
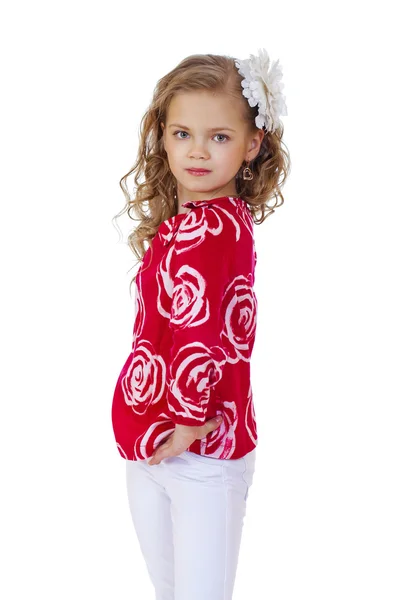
(188,513)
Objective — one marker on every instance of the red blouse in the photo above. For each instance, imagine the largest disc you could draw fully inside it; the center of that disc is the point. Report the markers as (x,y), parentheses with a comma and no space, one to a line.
(193,334)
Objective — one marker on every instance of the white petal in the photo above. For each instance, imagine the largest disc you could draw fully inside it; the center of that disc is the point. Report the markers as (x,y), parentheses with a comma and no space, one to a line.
(259,121)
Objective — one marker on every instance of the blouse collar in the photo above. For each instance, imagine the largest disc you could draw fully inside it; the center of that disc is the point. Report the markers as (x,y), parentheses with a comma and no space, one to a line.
(197,203)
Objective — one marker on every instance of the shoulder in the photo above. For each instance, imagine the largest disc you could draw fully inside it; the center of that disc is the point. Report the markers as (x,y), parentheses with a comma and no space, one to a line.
(226,219)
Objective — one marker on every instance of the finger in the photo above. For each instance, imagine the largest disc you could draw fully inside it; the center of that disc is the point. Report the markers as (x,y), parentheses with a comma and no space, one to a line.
(214,423)
(154,459)
(159,455)
(164,444)
(210,425)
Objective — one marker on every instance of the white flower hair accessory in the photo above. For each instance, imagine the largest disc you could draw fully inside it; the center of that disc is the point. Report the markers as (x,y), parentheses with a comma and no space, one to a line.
(263,86)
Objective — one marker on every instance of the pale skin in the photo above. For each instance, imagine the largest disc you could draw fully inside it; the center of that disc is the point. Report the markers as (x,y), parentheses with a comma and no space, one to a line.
(193,144)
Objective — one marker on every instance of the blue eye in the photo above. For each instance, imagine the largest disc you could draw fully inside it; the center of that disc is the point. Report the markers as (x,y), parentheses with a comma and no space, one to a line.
(180,138)
(179,132)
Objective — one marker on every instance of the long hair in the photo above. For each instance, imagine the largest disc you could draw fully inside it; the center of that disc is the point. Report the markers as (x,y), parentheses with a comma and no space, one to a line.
(153,200)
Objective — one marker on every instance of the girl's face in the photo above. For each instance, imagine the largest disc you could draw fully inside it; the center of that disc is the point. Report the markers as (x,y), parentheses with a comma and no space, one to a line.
(205,130)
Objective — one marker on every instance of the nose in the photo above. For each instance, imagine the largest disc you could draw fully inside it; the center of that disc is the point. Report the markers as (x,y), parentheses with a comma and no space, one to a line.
(198,150)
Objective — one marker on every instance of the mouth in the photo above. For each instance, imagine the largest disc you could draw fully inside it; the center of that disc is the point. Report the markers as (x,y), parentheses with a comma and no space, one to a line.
(198,171)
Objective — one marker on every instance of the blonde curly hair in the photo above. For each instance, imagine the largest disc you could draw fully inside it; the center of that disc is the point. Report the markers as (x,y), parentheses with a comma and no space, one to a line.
(153,200)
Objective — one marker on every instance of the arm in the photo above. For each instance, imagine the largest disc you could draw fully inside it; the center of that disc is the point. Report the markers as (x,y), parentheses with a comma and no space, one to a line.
(200,274)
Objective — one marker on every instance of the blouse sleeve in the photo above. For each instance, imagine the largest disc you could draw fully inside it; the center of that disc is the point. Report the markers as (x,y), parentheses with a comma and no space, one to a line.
(200,270)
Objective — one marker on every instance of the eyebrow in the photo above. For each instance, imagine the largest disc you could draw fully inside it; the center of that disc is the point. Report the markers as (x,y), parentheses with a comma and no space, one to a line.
(212,129)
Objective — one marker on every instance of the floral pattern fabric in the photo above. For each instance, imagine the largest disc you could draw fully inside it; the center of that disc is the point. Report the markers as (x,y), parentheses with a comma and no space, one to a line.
(193,335)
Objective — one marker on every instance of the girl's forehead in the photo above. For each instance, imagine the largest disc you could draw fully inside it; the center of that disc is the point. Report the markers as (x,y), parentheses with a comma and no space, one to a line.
(200,96)
(203,104)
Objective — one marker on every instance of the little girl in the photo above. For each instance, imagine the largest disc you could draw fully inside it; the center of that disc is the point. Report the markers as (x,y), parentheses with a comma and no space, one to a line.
(183,414)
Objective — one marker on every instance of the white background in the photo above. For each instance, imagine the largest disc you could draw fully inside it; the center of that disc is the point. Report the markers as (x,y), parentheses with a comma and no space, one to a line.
(323,512)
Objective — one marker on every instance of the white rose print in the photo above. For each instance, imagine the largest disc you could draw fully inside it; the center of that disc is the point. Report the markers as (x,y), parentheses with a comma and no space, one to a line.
(144,382)
(194,369)
(240,312)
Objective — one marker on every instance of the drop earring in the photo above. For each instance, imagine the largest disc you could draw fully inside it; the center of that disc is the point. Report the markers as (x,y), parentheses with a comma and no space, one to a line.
(247,172)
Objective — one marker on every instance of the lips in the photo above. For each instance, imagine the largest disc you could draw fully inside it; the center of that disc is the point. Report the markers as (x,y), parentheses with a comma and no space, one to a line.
(199,170)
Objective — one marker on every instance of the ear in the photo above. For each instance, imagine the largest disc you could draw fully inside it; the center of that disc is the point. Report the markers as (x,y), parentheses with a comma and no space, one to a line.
(255,144)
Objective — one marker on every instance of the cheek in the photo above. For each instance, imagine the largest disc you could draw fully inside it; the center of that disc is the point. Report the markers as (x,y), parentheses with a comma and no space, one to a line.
(175,152)
(229,158)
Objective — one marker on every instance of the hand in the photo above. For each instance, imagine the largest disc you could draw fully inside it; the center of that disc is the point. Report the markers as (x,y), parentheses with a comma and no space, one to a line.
(181,438)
